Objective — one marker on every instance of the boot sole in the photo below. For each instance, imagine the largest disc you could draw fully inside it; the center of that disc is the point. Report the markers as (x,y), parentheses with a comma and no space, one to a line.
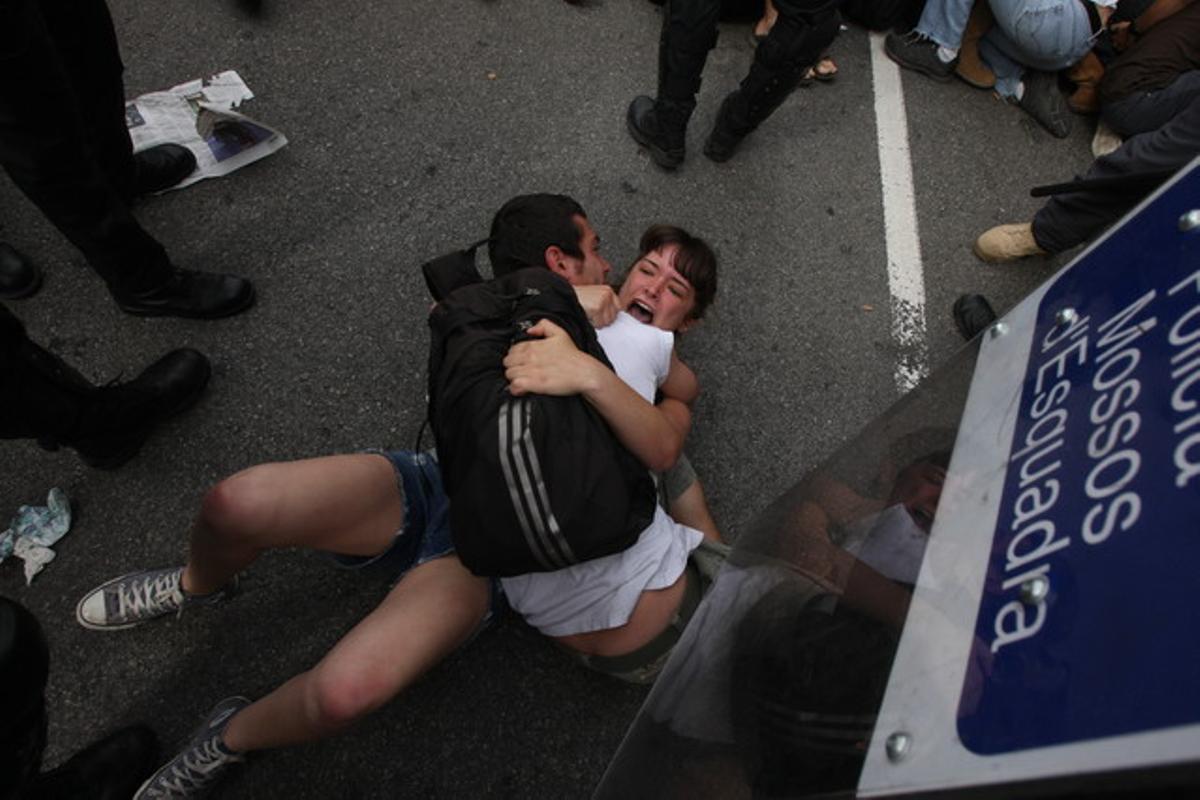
(659,156)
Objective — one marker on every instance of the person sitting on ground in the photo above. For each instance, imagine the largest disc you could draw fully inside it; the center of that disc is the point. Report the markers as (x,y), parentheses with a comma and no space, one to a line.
(1161,73)
(1062,37)
(1157,72)
(391,507)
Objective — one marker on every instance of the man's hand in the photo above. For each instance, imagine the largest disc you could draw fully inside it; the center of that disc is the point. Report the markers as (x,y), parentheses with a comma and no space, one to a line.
(599,303)
(1122,36)
(553,365)
(550,365)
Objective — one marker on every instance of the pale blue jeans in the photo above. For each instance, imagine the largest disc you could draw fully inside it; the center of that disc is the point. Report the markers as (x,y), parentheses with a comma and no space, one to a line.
(1047,35)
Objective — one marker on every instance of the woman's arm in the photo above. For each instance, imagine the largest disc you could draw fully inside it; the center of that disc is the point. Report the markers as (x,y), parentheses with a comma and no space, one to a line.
(681,383)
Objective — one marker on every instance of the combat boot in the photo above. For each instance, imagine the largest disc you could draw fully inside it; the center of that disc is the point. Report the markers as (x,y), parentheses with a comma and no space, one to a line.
(48,400)
(661,128)
(659,124)
(115,421)
(743,110)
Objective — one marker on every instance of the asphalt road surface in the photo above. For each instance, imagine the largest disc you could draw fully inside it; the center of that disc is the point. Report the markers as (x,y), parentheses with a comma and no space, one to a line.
(410,123)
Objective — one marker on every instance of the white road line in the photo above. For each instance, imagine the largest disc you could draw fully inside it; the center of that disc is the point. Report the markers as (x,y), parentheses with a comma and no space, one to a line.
(906,277)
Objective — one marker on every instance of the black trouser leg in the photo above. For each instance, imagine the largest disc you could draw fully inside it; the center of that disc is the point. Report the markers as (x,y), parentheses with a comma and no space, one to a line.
(689,31)
(87,44)
(59,148)
(804,30)
(24,663)
(1076,217)
(40,395)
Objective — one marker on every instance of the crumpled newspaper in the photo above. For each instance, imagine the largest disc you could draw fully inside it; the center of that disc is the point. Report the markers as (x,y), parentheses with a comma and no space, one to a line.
(34,530)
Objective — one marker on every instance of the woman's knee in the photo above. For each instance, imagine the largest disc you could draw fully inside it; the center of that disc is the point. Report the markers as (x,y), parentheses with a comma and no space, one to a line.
(241,504)
(341,695)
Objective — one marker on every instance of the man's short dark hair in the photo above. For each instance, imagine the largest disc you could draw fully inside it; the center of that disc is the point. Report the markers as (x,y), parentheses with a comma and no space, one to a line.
(696,261)
(526,225)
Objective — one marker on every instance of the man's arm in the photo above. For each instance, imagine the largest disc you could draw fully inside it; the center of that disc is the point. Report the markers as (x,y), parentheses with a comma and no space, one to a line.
(1156,13)
(599,303)
(554,366)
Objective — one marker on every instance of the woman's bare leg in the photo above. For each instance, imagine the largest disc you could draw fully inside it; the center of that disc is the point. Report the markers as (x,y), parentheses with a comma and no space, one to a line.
(432,610)
(345,504)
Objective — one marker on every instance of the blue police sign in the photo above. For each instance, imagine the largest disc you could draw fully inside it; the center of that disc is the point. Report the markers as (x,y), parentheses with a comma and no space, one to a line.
(1089,616)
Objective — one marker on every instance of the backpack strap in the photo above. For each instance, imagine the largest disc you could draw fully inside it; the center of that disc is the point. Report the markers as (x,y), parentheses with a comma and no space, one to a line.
(449,272)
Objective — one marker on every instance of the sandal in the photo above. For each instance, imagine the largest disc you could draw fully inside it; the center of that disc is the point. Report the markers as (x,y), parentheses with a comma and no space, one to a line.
(825,70)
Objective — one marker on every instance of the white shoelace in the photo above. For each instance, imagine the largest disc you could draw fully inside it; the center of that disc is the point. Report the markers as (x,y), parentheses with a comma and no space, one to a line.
(194,772)
(148,595)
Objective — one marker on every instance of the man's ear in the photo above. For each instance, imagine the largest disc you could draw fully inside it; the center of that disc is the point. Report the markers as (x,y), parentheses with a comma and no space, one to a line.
(687,325)
(556,261)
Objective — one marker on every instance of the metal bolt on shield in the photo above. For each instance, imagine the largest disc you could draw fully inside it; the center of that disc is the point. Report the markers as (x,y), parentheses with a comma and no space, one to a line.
(1034,590)
(1066,317)
(897,746)
(1190,221)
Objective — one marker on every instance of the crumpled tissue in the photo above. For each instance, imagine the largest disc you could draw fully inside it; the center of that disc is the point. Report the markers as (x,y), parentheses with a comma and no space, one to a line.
(34,530)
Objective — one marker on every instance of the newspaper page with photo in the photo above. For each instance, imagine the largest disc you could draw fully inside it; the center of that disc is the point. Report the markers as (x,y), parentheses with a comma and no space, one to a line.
(200,116)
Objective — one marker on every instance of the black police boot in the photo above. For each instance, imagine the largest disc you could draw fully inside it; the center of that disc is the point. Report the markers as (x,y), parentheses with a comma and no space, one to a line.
(659,127)
(115,421)
(728,131)
(19,277)
(190,294)
(744,109)
(47,399)
(659,124)
(110,769)
(161,167)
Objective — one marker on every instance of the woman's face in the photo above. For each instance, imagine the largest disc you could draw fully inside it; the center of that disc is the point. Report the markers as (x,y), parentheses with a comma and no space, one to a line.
(655,293)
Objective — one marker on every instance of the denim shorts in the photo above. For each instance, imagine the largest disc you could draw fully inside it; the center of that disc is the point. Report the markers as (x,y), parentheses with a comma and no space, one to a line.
(425,532)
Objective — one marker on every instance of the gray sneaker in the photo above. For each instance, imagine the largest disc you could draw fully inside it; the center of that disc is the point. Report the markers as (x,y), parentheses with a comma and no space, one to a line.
(918,52)
(199,765)
(1044,102)
(137,597)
